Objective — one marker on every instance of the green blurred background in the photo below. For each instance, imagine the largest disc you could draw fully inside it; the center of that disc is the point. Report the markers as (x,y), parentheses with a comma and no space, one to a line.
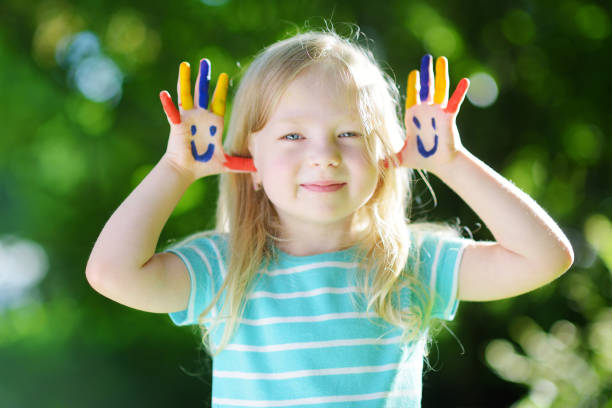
(82,124)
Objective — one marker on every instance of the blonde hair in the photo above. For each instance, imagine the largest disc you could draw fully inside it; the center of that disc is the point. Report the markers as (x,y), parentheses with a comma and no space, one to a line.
(249,218)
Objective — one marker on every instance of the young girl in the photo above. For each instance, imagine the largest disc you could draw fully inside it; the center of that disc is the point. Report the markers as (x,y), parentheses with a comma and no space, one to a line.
(315,289)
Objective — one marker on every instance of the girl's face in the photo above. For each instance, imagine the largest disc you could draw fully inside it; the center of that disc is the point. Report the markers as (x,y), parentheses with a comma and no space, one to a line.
(311,156)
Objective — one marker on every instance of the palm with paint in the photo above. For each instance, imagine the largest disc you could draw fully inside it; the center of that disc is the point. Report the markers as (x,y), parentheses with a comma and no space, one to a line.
(432,138)
(195,142)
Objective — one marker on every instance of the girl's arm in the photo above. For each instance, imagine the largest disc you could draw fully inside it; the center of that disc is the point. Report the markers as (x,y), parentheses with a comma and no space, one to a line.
(530,249)
(123,265)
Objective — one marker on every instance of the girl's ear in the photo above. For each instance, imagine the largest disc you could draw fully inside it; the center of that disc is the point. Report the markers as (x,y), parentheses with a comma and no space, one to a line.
(256,181)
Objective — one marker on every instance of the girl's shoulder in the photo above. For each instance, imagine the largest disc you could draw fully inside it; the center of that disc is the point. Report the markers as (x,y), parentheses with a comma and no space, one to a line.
(211,238)
(429,231)
(434,228)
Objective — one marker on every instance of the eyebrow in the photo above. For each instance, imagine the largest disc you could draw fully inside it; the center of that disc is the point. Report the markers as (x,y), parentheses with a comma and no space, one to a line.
(296,120)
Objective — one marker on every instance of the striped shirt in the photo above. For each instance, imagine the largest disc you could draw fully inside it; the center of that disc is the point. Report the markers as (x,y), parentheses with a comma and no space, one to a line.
(305,339)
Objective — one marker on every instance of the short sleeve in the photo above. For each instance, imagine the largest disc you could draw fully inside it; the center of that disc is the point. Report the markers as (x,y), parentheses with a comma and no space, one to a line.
(204,258)
(437,258)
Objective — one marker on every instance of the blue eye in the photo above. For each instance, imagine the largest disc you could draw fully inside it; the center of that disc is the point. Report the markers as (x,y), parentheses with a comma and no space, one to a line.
(349,134)
(291,136)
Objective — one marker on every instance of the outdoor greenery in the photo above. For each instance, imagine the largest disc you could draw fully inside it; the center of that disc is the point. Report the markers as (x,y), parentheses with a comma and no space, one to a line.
(82,124)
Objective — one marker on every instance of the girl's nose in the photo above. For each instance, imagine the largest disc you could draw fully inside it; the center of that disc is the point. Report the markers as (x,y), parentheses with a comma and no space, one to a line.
(325,156)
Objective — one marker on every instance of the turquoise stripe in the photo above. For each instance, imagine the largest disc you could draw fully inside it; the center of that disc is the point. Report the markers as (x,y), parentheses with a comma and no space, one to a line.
(308,332)
(286,260)
(306,280)
(295,360)
(327,385)
(261,308)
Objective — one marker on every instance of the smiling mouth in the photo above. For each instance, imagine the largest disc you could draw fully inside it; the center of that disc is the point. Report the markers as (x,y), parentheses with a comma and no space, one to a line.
(204,157)
(323,188)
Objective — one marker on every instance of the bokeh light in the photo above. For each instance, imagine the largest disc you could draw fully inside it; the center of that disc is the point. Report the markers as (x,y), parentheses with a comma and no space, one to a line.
(94,74)
(598,232)
(74,48)
(443,40)
(583,142)
(98,78)
(23,264)
(483,90)
(129,37)
(518,27)
(593,22)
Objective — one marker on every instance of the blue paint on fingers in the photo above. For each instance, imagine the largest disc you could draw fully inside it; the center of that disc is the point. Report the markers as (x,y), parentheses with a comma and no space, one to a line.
(193,130)
(213,130)
(203,84)
(425,64)
(416,122)
(433,123)
(423,151)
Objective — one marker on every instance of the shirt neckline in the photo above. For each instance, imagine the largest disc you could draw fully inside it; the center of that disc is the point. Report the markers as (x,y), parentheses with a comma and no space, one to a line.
(313,257)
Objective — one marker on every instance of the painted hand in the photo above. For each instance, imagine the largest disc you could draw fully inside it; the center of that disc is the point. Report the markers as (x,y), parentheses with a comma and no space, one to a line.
(195,142)
(432,138)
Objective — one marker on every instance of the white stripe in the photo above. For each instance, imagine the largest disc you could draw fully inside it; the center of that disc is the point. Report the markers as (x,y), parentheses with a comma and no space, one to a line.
(434,272)
(313,345)
(319,265)
(307,319)
(219,259)
(455,282)
(192,287)
(210,274)
(308,293)
(316,400)
(304,373)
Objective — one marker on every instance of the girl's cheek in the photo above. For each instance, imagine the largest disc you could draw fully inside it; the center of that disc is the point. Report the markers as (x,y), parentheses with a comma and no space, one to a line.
(284,159)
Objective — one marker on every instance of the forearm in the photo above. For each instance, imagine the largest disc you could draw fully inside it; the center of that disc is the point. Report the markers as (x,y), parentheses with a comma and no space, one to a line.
(130,236)
(516,221)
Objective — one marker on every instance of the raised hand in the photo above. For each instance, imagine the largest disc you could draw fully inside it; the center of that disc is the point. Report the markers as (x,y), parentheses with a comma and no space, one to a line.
(432,138)
(195,142)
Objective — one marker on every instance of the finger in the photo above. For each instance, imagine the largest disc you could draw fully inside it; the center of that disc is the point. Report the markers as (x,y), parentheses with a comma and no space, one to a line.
(169,108)
(202,84)
(184,91)
(217,106)
(426,77)
(412,91)
(441,92)
(455,101)
(239,163)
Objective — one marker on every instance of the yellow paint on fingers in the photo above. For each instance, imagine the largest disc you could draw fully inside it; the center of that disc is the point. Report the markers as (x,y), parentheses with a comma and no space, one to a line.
(186,101)
(412,91)
(220,95)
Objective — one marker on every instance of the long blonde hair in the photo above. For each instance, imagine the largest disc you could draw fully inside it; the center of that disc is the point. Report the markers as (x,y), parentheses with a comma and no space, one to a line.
(249,218)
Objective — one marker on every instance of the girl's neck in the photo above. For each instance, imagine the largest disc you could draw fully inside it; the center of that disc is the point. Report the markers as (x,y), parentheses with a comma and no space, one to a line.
(301,239)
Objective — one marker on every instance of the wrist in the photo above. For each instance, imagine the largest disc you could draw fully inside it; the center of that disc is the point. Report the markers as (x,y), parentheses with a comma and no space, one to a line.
(446,170)
(184,175)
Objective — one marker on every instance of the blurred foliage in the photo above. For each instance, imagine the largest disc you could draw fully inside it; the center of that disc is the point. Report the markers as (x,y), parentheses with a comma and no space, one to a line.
(83,124)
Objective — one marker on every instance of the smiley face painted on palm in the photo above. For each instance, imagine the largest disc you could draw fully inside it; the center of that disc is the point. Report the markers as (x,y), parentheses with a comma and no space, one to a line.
(210,150)
(203,86)
(420,146)
(430,115)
